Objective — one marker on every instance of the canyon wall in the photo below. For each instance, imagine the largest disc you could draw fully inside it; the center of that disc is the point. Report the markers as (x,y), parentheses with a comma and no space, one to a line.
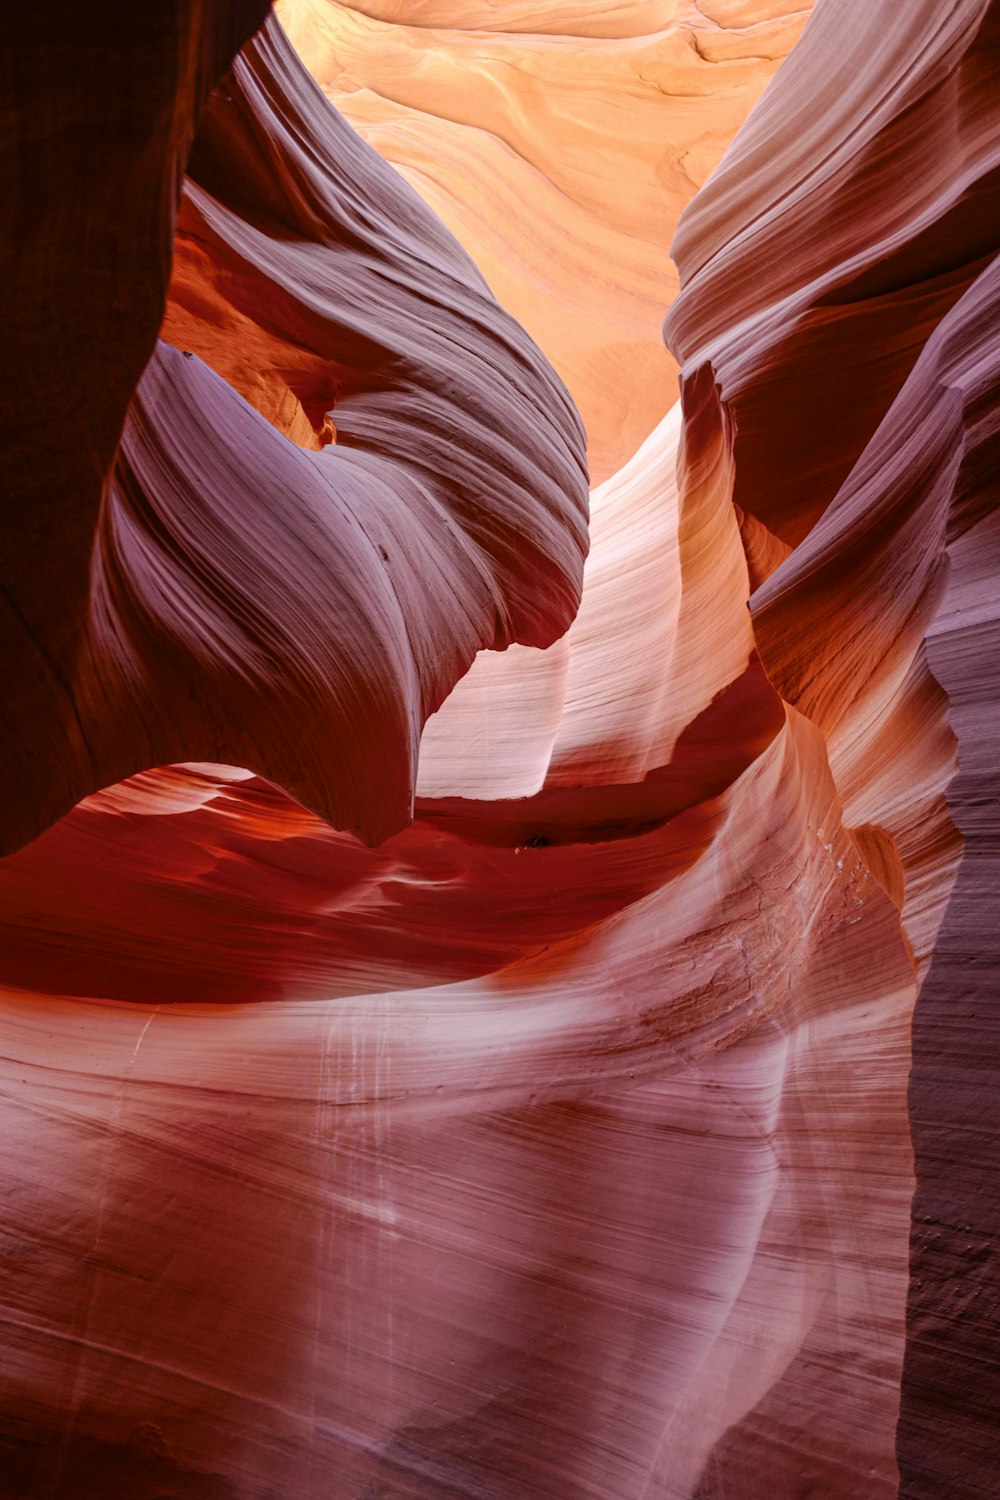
(483,1017)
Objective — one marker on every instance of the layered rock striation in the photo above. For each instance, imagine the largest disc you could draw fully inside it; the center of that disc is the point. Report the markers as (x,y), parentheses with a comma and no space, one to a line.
(613,1118)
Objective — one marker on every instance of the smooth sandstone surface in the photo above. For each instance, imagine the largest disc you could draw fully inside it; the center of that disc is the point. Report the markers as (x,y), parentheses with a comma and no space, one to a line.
(232,582)
(881,625)
(564,1143)
(83,288)
(560,142)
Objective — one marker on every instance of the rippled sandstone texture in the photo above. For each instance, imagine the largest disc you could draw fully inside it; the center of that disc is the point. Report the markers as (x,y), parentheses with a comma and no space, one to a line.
(226,582)
(561,1144)
(560,142)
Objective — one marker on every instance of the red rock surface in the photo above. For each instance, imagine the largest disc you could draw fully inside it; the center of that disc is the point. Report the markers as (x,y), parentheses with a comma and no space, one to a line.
(100,107)
(562,1146)
(880,463)
(448,516)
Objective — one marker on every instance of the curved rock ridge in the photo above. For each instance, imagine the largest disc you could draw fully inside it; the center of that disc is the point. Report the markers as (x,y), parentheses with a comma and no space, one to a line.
(562,1123)
(951,1394)
(238,584)
(856,207)
(300,911)
(560,142)
(911,542)
(469,1226)
(860,373)
(83,288)
(662,631)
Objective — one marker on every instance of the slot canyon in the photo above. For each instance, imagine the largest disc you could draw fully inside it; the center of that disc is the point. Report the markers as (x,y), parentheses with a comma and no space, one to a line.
(500,624)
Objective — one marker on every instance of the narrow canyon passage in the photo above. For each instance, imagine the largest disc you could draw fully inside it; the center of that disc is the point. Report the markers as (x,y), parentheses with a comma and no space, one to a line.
(496,971)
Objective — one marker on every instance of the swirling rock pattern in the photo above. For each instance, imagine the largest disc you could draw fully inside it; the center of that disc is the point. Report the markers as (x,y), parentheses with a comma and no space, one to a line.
(565,1143)
(880,625)
(448,516)
(560,141)
(84,289)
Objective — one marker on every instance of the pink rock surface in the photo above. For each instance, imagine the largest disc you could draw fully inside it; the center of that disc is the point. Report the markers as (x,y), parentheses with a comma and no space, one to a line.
(84,285)
(478,1233)
(233,585)
(561,1147)
(859,367)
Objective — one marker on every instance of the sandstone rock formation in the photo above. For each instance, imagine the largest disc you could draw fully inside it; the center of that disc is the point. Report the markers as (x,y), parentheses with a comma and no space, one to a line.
(448,516)
(860,367)
(563,1143)
(560,141)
